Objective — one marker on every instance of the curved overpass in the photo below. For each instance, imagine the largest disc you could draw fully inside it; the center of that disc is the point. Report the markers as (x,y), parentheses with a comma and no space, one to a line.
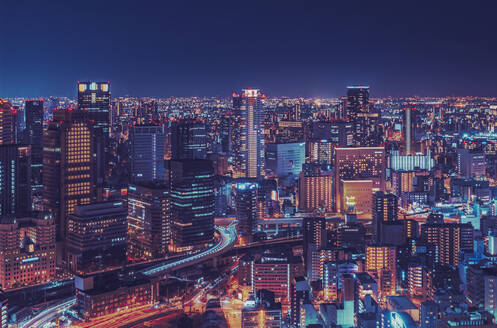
(227,239)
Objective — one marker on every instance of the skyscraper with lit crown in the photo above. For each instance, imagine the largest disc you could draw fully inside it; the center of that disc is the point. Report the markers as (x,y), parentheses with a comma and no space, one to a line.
(248,141)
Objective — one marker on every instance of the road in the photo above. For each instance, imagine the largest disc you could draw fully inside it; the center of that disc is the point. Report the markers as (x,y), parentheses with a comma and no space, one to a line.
(227,239)
(49,313)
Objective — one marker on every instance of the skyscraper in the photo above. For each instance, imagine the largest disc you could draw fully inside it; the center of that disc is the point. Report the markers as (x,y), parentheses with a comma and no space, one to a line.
(315,189)
(15,179)
(68,165)
(149,220)
(285,158)
(192,198)
(94,97)
(188,139)
(248,140)
(385,208)
(409,128)
(361,115)
(246,209)
(147,153)
(8,123)
(381,261)
(34,137)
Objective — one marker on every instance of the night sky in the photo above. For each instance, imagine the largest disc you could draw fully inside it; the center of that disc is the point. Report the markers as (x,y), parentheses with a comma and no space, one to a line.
(210,48)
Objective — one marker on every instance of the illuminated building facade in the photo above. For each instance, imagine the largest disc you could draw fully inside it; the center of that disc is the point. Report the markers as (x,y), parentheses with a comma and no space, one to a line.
(149,221)
(147,153)
(96,237)
(274,272)
(381,262)
(356,196)
(68,165)
(315,189)
(193,202)
(321,151)
(8,123)
(248,140)
(188,139)
(360,163)
(449,238)
(27,254)
(261,311)
(385,208)
(336,133)
(471,163)
(15,179)
(94,97)
(246,209)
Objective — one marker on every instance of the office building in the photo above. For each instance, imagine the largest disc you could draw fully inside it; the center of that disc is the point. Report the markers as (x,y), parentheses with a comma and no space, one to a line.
(27,255)
(248,141)
(110,292)
(411,162)
(315,189)
(147,153)
(149,221)
(68,165)
(337,133)
(360,163)
(94,97)
(320,151)
(285,159)
(193,201)
(261,310)
(188,139)
(15,179)
(8,123)
(357,101)
(96,237)
(471,163)
(385,208)
(355,196)
(34,137)
(246,209)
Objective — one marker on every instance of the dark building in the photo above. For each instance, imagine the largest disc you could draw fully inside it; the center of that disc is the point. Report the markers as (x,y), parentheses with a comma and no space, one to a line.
(385,208)
(15,179)
(94,97)
(8,123)
(188,140)
(68,165)
(34,137)
(409,125)
(246,209)
(192,198)
(147,153)
(96,237)
(340,133)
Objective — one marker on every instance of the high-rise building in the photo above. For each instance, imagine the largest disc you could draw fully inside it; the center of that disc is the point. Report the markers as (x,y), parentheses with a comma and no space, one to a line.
(338,133)
(248,141)
(449,238)
(15,179)
(149,220)
(147,153)
(428,314)
(96,237)
(409,125)
(34,137)
(193,201)
(8,123)
(385,208)
(94,97)
(188,139)
(357,101)
(246,209)
(68,165)
(27,255)
(381,261)
(285,158)
(261,310)
(315,189)
(360,163)
(361,116)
